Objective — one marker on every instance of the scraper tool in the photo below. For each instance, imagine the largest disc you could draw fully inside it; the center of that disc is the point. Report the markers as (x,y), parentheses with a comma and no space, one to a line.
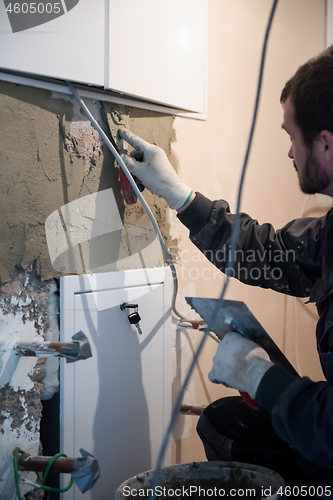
(235,316)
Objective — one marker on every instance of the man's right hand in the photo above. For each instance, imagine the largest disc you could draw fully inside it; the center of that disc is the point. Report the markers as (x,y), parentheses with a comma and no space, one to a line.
(239,363)
(151,166)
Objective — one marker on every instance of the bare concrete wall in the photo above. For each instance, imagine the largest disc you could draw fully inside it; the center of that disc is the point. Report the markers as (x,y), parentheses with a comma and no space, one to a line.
(25,316)
(50,156)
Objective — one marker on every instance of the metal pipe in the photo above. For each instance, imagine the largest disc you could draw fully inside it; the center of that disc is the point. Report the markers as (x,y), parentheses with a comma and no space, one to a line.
(39,463)
(191,410)
(45,349)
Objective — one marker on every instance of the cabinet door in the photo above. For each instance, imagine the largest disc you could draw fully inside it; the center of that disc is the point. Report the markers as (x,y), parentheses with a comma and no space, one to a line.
(116,404)
(69,47)
(157,51)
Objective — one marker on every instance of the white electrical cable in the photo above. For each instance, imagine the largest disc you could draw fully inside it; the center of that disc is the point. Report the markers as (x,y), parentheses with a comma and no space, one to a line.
(219,302)
(115,153)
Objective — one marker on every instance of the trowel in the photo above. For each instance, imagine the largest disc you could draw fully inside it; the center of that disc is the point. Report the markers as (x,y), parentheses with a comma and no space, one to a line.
(235,316)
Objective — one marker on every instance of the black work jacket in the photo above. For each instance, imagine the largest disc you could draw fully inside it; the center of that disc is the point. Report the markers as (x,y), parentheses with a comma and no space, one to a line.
(296,260)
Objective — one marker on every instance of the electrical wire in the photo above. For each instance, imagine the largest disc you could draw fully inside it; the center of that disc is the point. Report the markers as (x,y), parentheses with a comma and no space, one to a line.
(230,263)
(16,474)
(219,303)
(168,256)
(41,478)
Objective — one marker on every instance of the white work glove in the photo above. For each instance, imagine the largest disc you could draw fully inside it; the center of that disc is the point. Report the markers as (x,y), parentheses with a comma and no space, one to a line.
(154,170)
(239,363)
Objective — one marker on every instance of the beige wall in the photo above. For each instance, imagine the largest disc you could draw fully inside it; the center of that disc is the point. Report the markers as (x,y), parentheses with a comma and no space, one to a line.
(211,155)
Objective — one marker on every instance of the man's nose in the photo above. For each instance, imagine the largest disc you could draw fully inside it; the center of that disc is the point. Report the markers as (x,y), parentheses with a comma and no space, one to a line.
(291,153)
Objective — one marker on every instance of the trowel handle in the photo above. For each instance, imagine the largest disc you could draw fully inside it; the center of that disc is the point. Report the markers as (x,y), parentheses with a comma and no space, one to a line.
(252,403)
(126,188)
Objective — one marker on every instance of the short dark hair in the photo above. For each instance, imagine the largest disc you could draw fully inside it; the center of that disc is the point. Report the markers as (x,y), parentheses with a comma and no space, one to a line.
(311,93)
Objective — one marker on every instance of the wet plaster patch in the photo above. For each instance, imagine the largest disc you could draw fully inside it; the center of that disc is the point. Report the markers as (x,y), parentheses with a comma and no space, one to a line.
(91,144)
(156,128)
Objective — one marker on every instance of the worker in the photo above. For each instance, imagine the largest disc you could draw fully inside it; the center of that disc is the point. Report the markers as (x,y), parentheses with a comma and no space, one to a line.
(292,431)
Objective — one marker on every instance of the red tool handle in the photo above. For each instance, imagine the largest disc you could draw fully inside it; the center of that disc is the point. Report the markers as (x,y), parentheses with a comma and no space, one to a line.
(126,188)
(249,401)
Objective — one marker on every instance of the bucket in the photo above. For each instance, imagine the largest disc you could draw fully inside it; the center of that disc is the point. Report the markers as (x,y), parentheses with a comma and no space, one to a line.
(204,480)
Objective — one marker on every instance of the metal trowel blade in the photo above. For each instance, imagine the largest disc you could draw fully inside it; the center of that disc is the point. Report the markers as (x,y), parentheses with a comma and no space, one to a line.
(235,316)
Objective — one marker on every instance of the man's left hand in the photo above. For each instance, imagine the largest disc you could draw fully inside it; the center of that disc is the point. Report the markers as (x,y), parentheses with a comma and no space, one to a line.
(239,363)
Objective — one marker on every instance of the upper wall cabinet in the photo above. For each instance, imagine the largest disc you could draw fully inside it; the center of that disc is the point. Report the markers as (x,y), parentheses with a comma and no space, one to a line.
(157,50)
(153,50)
(69,46)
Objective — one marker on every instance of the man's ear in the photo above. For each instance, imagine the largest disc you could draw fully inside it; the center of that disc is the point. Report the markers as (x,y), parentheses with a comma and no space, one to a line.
(324,145)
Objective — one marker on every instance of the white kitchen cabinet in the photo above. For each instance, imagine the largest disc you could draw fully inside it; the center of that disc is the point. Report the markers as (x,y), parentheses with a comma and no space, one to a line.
(152,51)
(70,47)
(116,404)
(157,51)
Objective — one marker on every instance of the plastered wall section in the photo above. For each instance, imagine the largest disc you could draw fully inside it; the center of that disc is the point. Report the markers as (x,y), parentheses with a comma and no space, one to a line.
(50,157)
(211,156)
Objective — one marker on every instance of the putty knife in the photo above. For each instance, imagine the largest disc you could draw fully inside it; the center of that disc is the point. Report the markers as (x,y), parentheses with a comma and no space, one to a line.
(235,316)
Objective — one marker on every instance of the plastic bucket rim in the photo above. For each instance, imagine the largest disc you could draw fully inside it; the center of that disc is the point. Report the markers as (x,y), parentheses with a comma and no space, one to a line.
(207,465)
